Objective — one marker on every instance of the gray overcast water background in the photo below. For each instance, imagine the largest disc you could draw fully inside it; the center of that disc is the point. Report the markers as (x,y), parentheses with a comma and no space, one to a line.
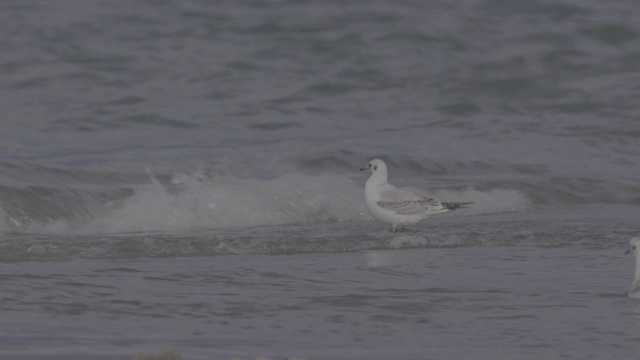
(183,175)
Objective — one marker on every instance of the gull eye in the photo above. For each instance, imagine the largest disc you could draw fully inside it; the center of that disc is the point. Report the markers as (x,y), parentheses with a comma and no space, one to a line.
(633,247)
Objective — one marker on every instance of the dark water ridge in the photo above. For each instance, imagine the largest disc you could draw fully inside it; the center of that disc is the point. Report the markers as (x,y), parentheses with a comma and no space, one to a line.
(540,229)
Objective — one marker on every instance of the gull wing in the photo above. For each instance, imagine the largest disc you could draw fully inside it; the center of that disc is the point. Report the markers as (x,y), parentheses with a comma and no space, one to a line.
(413,207)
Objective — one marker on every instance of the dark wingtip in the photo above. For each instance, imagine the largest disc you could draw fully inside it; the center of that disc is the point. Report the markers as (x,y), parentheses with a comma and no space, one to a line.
(456,205)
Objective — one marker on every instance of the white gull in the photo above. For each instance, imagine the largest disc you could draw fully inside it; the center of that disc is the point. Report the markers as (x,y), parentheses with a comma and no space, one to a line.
(395,206)
(634,291)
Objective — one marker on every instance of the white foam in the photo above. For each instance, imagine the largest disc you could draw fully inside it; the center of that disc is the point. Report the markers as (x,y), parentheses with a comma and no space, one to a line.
(7,222)
(194,203)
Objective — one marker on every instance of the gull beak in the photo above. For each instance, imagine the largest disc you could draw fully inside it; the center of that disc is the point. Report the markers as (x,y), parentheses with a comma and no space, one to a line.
(364,168)
(628,251)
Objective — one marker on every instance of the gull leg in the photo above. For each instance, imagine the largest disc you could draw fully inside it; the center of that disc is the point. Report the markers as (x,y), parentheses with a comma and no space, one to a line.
(393,227)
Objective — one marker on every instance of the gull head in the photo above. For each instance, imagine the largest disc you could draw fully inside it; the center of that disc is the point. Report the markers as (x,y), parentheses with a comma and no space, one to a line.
(634,246)
(375,166)
(378,171)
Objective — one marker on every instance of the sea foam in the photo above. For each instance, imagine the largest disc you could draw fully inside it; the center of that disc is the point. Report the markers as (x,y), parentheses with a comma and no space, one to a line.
(195,202)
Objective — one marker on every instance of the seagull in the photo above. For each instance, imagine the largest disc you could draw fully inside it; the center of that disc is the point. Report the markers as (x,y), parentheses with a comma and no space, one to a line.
(399,207)
(634,291)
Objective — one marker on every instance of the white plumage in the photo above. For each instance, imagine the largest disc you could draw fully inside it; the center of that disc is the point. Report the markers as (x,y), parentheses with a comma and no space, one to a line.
(396,206)
(634,291)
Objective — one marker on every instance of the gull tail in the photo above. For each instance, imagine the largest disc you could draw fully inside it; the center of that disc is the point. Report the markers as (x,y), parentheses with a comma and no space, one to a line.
(455,205)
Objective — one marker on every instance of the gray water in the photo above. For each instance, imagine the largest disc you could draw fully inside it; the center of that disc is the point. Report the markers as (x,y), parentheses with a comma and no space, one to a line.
(183,175)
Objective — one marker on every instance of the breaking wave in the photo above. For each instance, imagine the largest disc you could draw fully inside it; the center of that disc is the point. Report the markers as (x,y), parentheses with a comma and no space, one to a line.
(194,202)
